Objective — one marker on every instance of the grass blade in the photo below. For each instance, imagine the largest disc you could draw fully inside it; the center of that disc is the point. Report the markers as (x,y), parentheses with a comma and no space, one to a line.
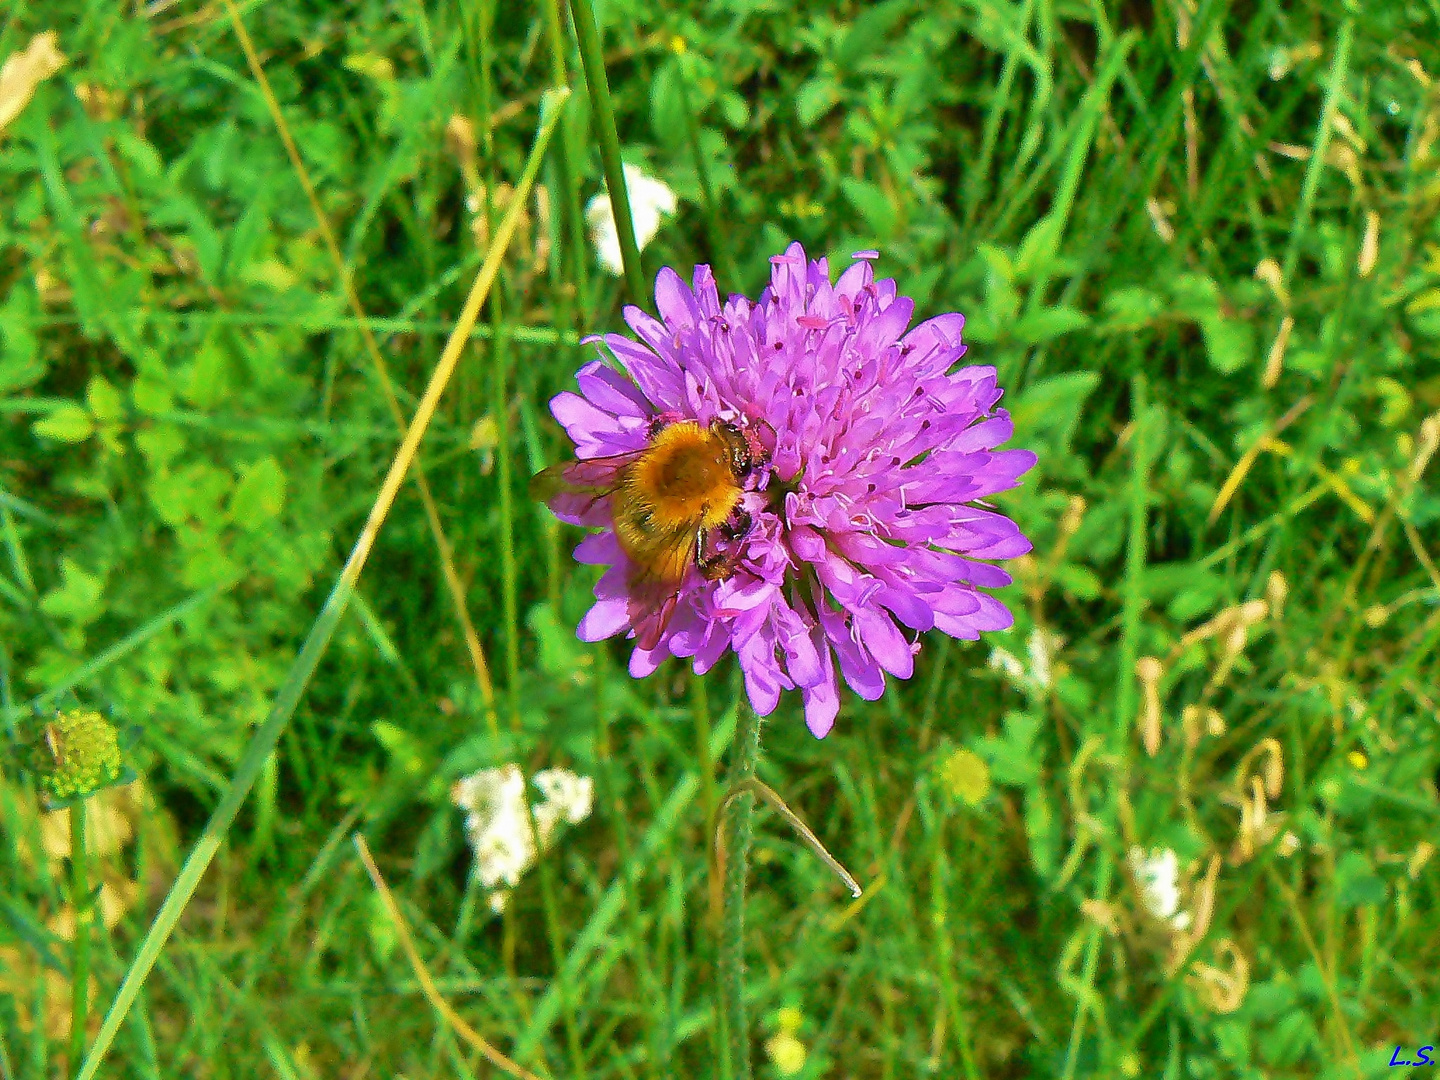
(263,743)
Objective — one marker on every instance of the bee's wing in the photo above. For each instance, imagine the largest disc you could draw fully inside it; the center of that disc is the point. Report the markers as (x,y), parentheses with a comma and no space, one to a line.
(584,475)
(572,488)
(655,581)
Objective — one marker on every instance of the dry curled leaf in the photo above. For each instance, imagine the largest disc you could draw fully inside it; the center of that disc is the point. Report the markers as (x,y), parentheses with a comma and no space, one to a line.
(24,71)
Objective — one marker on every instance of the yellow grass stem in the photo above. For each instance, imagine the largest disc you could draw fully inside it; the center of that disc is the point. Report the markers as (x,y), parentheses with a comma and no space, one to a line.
(264,741)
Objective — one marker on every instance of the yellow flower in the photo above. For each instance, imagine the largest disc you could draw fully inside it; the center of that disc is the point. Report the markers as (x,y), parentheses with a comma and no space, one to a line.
(966,776)
(786,1052)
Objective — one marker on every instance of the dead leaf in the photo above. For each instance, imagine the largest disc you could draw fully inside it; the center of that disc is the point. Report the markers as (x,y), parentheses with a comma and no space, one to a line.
(24,71)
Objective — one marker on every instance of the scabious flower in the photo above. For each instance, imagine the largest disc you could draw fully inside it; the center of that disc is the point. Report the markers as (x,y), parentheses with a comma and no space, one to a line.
(650,200)
(866,528)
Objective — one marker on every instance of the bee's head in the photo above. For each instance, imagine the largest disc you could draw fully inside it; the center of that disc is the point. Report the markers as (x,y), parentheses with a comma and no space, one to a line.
(746,452)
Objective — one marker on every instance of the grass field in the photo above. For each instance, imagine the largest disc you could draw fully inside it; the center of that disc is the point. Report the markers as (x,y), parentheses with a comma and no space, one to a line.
(1178,822)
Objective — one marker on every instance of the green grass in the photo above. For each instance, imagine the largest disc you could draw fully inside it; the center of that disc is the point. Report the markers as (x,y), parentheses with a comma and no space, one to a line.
(1127,202)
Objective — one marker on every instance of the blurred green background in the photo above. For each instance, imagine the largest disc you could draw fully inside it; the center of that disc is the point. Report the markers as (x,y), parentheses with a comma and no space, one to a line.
(1198,240)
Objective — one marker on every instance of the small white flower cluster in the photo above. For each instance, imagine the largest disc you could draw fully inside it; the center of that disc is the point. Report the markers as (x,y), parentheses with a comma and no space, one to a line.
(499,827)
(650,199)
(1158,874)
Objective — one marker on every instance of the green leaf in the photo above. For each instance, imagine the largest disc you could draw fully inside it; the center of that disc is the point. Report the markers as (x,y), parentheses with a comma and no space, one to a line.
(1229,343)
(161,444)
(406,751)
(1356,883)
(106,404)
(735,109)
(1011,755)
(1048,324)
(77,600)
(209,379)
(867,33)
(68,423)
(667,107)
(21,363)
(137,151)
(814,99)
(1285,1044)
(874,206)
(151,396)
(1194,296)
(1040,246)
(1050,408)
(1132,308)
(260,495)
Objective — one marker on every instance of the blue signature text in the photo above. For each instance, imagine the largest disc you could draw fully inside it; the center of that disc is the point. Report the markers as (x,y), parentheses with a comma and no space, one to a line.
(1422,1057)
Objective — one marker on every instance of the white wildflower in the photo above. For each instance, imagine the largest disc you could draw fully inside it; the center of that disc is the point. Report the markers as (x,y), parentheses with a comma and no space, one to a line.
(1041,647)
(1158,875)
(499,827)
(567,797)
(1036,677)
(650,199)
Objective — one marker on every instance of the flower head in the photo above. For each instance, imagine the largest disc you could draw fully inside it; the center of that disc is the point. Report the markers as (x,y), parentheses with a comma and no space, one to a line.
(859,525)
(74,755)
(650,200)
(1158,874)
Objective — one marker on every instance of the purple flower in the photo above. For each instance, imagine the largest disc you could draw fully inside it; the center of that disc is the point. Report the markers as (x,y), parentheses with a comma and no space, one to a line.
(863,528)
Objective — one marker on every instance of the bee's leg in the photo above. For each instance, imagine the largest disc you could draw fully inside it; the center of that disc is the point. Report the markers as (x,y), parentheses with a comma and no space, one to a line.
(718,562)
(713,564)
(738,525)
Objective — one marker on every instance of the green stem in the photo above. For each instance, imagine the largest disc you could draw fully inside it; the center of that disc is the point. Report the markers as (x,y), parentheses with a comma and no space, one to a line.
(593,61)
(80,947)
(718,251)
(732,933)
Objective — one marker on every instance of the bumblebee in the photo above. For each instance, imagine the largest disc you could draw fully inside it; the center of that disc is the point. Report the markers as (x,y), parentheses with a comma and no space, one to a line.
(674,503)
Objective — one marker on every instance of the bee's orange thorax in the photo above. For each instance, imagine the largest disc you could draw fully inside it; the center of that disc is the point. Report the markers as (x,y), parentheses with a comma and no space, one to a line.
(683,479)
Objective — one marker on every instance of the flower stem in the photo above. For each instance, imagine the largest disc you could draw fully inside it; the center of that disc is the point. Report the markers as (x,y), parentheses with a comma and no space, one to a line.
(80,947)
(592,59)
(732,933)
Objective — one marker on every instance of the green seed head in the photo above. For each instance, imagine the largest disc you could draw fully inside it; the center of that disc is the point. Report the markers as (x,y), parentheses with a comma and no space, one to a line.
(77,753)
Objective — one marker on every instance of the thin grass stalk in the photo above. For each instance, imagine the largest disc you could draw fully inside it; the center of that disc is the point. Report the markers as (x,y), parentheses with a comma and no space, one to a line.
(732,934)
(382,372)
(80,947)
(422,974)
(593,61)
(1126,699)
(719,250)
(264,741)
(566,155)
(115,653)
(1334,88)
